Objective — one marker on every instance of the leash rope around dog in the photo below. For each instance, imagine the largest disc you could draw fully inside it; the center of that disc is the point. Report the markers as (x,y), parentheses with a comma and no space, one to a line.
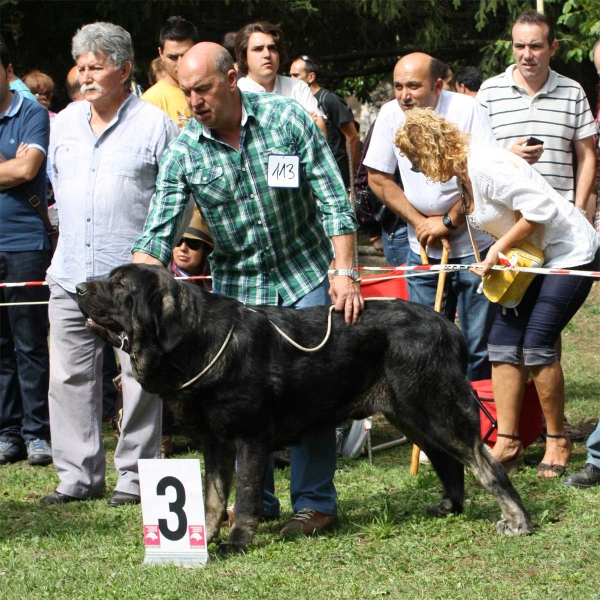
(295,344)
(211,363)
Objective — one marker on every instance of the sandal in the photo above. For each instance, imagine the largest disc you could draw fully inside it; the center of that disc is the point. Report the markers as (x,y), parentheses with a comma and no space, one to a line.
(514,462)
(559,470)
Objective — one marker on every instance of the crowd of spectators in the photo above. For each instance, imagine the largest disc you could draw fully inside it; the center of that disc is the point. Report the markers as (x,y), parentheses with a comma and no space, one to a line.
(176,176)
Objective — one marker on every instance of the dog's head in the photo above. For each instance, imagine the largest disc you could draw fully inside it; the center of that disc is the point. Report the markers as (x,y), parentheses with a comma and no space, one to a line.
(137,309)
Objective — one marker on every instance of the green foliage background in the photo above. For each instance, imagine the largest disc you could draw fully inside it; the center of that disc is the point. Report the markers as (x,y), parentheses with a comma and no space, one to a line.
(357,40)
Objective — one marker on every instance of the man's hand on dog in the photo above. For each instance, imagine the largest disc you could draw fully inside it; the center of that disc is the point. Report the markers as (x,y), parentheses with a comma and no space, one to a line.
(345,294)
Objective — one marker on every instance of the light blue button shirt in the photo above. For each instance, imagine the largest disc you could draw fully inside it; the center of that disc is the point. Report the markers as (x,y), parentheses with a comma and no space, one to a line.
(103,185)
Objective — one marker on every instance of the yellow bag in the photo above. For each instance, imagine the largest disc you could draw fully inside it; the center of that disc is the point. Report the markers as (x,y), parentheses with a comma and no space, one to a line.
(508,287)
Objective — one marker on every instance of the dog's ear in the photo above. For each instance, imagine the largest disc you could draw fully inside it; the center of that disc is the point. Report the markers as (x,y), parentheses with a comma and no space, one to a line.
(156,314)
(169,321)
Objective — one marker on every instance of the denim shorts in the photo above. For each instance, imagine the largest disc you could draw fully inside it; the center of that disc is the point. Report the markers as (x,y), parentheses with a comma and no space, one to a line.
(528,334)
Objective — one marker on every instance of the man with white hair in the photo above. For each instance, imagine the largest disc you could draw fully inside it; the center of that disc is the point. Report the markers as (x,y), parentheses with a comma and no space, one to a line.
(105,152)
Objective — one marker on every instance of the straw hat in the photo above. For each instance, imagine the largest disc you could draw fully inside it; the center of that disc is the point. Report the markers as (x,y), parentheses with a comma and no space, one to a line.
(197,229)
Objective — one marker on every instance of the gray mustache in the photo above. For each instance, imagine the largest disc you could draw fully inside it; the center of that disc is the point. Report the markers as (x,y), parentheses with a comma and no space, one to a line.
(92,86)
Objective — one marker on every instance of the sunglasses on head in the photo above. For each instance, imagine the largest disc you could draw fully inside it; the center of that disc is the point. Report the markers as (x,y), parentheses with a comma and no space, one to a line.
(309,61)
(191,243)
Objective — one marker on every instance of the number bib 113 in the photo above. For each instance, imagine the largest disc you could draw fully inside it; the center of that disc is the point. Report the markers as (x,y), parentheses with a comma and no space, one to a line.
(283,171)
(173,511)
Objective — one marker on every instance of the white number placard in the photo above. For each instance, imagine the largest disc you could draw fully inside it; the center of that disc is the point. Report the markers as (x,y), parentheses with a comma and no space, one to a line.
(173,511)
(283,171)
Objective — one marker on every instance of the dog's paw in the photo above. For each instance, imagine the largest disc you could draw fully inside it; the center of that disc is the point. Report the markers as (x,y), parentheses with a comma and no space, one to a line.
(227,549)
(505,528)
(443,509)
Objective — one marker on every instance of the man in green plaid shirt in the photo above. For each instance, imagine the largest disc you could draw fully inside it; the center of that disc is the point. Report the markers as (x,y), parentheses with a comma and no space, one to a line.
(273,244)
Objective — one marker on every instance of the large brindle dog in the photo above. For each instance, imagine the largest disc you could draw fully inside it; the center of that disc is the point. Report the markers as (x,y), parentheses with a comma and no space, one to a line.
(261,393)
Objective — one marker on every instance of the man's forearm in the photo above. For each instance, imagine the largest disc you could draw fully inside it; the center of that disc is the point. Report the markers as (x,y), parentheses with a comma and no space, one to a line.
(586,175)
(351,136)
(388,191)
(320,121)
(14,172)
(343,246)
(355,149)
(145,259)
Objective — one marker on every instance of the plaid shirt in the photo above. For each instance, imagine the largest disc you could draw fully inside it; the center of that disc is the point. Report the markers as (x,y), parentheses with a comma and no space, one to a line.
(270,243)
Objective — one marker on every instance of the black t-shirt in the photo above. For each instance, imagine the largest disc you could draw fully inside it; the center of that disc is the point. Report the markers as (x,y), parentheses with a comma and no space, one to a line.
(337,112)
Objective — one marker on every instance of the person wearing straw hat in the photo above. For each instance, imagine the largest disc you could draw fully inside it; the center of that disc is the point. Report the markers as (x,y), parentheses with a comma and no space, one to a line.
(190,254)
(497,183)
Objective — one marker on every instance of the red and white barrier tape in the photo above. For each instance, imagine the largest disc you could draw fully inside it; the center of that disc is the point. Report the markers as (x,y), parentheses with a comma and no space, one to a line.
(438,268)
(41,283)
(423,268)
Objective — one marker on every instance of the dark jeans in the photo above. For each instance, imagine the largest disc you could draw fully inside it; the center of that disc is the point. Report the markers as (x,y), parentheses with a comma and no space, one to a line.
(24,367)
(110,370)
(395,245)
(475,311)
(529,333)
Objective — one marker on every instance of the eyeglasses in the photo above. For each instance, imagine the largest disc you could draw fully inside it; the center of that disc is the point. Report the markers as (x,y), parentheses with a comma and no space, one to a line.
(191,243)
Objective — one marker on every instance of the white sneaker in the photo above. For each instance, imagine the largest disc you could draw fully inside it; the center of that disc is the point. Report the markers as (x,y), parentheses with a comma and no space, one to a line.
(423,458)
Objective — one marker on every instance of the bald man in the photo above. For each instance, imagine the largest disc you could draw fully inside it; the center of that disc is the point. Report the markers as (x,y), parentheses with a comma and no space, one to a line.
(433,210)
(73,86)
(273,246)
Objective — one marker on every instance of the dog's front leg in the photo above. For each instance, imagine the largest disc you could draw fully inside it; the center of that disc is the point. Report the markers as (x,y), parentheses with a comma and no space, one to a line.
(252,458)
(219,461)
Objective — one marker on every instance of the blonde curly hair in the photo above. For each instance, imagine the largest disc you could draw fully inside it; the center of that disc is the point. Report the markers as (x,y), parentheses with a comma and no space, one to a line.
(433,144)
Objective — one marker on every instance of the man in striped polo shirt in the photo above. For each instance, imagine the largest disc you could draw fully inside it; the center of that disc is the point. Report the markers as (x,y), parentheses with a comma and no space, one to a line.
(530,100)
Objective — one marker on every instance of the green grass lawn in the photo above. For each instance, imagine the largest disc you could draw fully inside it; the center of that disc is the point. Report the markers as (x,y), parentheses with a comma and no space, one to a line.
(385,546)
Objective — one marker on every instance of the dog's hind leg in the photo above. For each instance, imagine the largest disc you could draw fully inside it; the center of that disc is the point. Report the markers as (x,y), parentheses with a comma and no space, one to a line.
(452,474)
(252,458)
(219,460)
(493,477)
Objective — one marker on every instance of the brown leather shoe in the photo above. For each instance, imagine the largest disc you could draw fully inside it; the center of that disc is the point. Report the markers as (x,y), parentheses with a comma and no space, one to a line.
(308,522)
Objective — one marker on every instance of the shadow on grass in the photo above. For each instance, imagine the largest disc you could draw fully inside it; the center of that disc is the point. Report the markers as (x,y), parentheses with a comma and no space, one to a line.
(409,503)
(581,389)
(22,519)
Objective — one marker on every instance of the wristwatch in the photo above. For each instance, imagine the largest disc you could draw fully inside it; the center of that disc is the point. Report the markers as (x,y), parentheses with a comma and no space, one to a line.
(352,273)
(447,221)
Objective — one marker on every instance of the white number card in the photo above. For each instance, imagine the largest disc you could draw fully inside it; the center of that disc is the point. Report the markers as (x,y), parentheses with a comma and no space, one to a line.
(173,512)
(283,171)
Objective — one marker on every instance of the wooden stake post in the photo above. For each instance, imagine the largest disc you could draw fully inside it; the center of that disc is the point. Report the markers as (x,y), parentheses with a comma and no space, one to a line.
(439,297)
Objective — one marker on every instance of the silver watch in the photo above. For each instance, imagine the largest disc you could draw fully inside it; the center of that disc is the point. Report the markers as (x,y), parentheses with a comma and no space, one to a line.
(352,273)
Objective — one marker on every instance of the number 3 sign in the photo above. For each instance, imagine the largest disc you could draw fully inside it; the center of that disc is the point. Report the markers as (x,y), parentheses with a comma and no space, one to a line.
(173,512)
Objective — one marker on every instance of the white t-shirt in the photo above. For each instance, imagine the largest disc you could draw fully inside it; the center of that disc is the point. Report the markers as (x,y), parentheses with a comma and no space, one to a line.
(431,198)
(503,183)
(287,87)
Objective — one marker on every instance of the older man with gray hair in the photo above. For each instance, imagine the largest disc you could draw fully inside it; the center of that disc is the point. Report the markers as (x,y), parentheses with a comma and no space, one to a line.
(105,152)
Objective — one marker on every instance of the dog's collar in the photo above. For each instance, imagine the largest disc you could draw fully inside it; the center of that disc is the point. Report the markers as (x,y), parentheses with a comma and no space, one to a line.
(125,345)
(211,363)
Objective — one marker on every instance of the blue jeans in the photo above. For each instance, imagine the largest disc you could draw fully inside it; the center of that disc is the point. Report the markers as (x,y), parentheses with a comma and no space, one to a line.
(475,311)
(24,368)
(395,245)
(313,462)
(593,447)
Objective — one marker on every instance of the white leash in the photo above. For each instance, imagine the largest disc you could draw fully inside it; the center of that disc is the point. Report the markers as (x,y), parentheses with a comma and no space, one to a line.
(211,363)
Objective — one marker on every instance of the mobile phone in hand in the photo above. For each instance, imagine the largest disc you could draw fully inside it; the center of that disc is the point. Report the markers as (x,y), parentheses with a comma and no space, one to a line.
(533,141)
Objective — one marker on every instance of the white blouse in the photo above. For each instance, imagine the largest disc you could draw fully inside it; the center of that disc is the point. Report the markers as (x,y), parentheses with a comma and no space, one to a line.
(503,183)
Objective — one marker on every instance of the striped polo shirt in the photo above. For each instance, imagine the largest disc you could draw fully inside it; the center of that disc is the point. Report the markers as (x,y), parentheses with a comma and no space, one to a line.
(558,115)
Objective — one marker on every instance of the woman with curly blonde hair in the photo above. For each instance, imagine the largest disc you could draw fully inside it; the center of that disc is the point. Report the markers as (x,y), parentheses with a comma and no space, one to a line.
(496,185)
(437,145)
